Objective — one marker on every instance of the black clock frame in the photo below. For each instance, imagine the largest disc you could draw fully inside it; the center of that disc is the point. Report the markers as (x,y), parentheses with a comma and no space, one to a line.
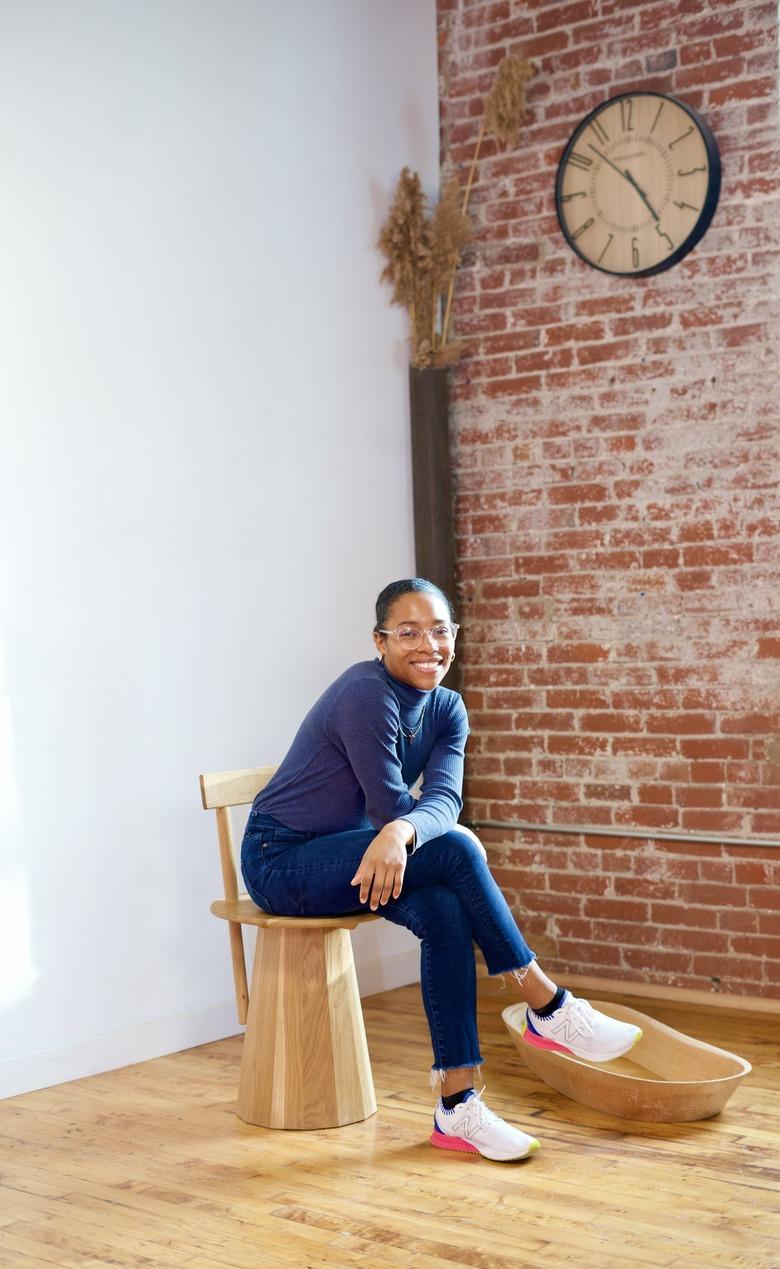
(710,201)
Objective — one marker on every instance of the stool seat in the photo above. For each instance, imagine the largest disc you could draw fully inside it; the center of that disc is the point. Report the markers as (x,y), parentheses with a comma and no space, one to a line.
(246,912)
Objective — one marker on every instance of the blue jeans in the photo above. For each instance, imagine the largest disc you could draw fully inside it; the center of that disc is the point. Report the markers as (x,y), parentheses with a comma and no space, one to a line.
(449,901)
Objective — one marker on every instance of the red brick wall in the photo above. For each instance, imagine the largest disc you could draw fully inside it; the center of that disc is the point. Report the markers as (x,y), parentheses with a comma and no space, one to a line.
(617,452)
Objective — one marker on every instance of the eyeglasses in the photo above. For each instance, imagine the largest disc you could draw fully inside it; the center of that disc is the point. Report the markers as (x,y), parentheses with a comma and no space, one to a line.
(411,637)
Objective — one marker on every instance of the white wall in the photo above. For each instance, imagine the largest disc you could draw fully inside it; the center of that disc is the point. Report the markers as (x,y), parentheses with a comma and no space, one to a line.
(205,472)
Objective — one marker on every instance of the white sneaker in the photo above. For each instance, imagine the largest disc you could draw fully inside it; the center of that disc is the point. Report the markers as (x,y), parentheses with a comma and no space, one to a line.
(577,1028)
(471,1127)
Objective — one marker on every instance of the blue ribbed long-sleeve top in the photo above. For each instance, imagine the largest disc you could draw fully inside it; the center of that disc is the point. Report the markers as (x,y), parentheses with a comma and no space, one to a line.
(351,765)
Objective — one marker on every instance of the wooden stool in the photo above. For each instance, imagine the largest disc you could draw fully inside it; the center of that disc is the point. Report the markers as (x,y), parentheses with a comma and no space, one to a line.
(305,1060)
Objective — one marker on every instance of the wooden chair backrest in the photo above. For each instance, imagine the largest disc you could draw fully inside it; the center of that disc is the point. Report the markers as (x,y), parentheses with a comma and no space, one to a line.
(220,790)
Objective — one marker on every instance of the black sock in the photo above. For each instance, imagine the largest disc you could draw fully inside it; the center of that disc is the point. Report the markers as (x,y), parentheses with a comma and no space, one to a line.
(455,1099)
(552,1005)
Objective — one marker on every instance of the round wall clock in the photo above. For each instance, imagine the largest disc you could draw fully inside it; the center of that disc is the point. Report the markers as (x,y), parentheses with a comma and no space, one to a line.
(638,184)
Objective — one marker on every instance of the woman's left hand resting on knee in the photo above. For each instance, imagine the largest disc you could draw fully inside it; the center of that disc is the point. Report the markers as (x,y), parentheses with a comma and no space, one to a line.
(381,870)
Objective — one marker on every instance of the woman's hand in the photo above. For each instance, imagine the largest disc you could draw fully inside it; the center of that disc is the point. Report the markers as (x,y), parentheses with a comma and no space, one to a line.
(381,870)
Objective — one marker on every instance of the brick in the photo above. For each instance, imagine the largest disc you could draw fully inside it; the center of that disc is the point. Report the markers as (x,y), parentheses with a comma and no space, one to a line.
(718,556)
(707,772)
(742,90)
(611,722)
(717,870)
(742,723)
(554,720)
(765,897)
(574,698)
(624,933)
(714,748)
(593,492)
(577,744)
(645,960)
(565,15)
(723,968)
(756,945)
(699,795)
(743,922)
(591,354)
(617,909)
(707,892)
(655,746)
(689,940)
(576,883)
(604,304)
(661,817)
(586,653)
(655,794)
(574,332)
(487,788)
(645,889)
(702,820)
(590,954)
(683,915)
(681,724)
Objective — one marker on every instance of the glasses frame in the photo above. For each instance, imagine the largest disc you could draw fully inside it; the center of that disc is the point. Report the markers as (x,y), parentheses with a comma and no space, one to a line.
(425,630)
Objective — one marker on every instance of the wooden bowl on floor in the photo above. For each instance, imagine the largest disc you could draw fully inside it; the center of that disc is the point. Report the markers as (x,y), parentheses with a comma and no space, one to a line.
(668,1077)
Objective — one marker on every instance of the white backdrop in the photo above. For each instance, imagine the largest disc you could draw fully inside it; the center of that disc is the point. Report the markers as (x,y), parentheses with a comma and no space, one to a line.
(205,469)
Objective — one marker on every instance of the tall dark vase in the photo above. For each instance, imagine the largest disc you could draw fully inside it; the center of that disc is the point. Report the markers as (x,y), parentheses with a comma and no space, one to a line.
(434,529)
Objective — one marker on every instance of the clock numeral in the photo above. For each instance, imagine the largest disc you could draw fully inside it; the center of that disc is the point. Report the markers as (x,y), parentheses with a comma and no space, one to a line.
(579,193)
(681,137)
(688,205)
(586,225)
(600,131)
(627,114)
(580,160)
(691,171)
(604,248)
(661,234)
(658,115)
(635,253)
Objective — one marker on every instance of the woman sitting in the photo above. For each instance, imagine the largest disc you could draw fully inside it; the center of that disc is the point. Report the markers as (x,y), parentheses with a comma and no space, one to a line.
(337,827)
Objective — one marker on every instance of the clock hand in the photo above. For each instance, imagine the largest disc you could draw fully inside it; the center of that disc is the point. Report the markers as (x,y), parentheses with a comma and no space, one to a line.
(624,172)
(597,151)
(642,195)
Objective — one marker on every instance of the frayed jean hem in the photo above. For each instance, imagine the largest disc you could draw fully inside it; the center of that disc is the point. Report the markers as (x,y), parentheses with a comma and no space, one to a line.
(518,974)
(438,1072)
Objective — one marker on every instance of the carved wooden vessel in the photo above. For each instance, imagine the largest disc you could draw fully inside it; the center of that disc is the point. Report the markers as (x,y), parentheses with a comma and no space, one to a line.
(668,1077)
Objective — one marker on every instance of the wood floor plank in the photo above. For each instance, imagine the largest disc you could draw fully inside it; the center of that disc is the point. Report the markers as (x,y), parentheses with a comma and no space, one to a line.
(149,1166)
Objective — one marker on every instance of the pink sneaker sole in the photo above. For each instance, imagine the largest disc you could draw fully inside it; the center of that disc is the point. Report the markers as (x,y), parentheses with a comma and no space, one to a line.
(444,1142)
(538,1042)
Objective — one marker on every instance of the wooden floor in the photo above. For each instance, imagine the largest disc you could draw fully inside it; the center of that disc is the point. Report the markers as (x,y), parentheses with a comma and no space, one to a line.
(149,1166)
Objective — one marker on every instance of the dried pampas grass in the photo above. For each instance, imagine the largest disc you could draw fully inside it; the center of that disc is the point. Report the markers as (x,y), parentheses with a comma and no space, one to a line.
(423,250)
(505,104)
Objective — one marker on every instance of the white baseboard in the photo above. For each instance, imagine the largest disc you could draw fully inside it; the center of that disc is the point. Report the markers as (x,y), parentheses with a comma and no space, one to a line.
(31,1071)
(99,1053)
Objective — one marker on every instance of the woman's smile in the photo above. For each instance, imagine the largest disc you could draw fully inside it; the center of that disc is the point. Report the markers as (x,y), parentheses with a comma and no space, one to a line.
(428,666)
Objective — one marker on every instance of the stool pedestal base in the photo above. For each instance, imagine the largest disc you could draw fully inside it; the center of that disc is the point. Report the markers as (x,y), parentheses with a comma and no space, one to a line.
(305,1062)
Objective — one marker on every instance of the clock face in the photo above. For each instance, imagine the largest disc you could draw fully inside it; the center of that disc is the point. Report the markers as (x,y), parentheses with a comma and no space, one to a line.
(638,184)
